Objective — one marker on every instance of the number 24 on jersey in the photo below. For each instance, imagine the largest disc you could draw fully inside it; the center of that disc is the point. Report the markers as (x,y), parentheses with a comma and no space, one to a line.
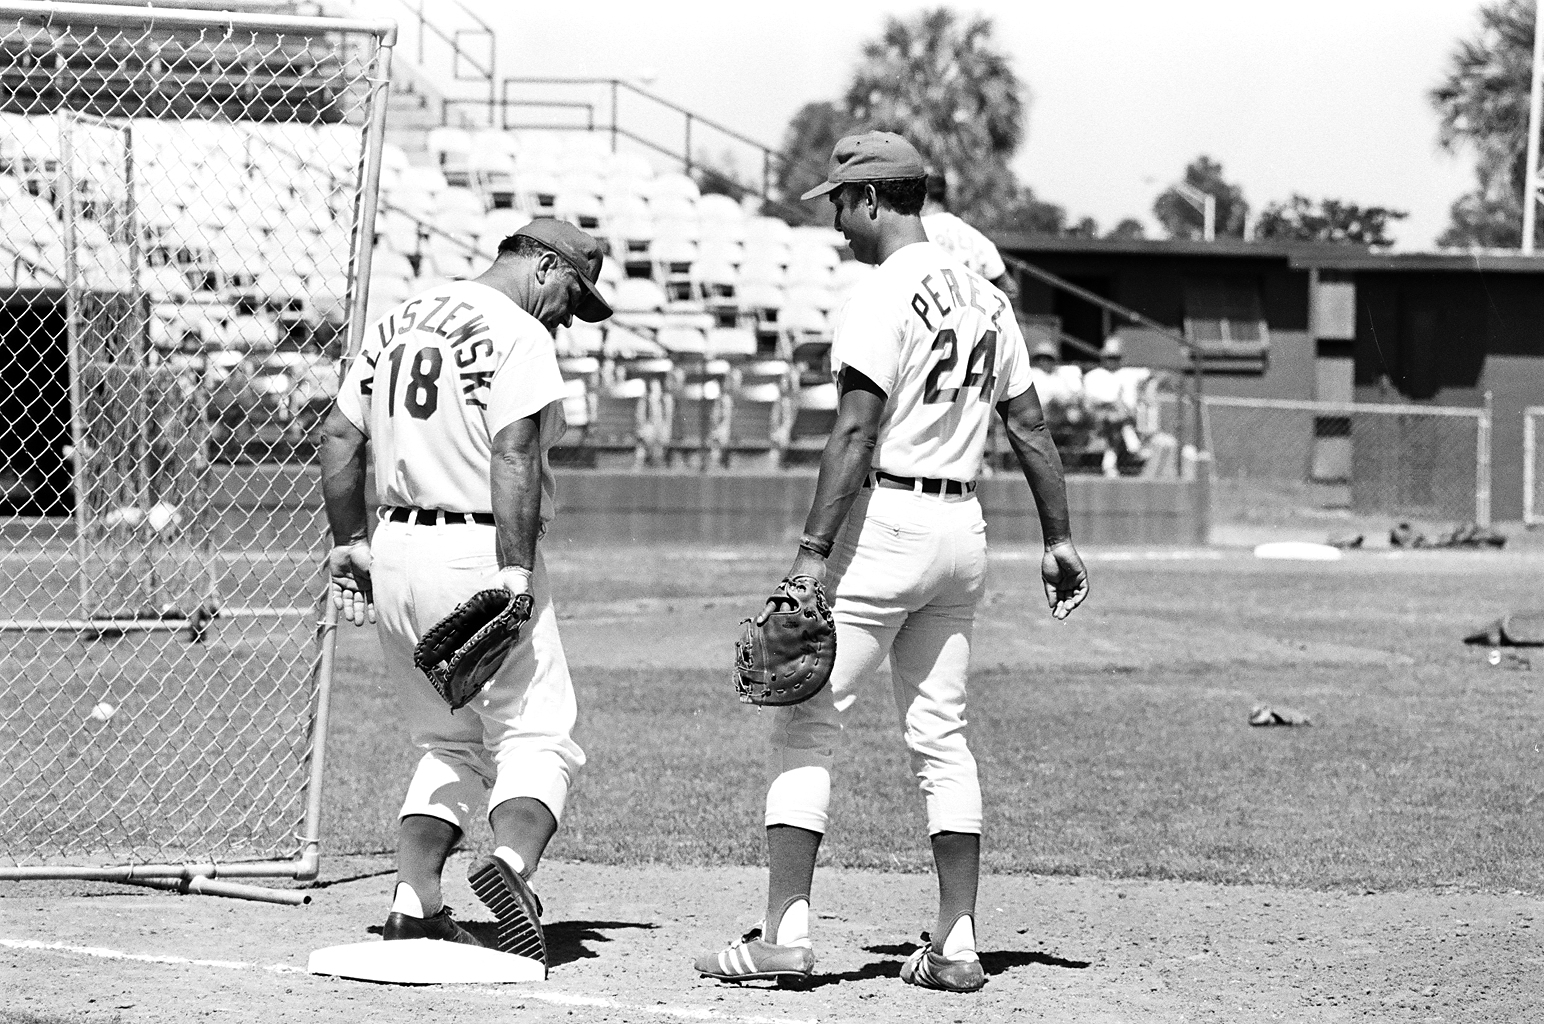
(980,369)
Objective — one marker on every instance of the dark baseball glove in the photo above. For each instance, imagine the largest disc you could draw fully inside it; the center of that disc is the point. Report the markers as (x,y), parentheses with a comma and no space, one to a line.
(462,651)
(788,658)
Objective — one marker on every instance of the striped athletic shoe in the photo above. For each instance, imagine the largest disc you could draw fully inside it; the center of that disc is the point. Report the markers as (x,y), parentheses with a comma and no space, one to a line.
(504,892)
(751,959)
(927,969)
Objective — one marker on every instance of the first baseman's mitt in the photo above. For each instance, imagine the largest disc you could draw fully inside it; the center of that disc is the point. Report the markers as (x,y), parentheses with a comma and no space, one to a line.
(462,651)
(788,658)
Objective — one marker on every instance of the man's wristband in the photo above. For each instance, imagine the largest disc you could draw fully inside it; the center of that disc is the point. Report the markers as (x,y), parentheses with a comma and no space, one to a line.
(517,574)
(815,546)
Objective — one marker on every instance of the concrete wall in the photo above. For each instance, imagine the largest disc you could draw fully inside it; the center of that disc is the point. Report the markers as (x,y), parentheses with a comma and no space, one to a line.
(730,509)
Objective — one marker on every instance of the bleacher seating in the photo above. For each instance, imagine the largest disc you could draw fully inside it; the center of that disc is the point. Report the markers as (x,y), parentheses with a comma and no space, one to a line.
(717,308)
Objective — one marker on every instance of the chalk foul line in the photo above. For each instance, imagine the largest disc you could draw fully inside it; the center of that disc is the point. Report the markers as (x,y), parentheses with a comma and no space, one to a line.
(553,996)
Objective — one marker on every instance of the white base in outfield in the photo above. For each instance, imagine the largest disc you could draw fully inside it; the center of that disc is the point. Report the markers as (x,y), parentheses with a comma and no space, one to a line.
(1298,551)
(424,962)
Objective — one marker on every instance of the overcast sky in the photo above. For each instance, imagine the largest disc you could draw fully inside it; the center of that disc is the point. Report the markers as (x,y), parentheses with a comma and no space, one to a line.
(1324,97)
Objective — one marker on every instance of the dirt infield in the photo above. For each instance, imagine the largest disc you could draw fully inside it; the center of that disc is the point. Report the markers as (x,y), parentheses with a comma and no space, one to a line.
(1056,949)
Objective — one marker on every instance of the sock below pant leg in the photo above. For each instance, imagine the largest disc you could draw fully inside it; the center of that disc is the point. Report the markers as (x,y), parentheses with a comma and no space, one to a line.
(957,856)
(791,873)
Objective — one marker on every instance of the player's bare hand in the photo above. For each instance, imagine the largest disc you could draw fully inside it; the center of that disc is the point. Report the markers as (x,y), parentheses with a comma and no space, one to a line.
(805,563)
(1066,581)
(348,572)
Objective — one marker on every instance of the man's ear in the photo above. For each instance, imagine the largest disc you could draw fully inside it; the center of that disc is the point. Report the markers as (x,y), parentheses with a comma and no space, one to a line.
(871,197)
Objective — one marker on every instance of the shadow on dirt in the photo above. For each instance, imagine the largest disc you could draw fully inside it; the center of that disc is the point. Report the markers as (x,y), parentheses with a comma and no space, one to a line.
(565,939)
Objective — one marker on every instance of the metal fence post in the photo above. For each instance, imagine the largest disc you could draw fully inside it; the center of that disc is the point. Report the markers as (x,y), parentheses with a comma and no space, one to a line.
(1482,465)
(1531,515)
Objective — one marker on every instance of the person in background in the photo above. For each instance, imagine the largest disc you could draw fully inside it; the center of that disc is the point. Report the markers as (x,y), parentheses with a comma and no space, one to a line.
(1112,392)
(963,242)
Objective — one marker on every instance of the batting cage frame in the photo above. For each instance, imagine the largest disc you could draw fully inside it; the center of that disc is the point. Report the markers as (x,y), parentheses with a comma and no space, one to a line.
(193,195)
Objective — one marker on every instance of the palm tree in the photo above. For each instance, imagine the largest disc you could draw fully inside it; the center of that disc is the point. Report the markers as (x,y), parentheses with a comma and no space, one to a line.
(1483,105)
(940,80)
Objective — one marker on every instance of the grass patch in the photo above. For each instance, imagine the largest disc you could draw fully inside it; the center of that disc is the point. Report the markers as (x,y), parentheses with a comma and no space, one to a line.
(1421,768)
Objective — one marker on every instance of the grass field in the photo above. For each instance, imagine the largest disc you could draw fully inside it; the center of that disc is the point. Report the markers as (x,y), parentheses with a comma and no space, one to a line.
(1114,744)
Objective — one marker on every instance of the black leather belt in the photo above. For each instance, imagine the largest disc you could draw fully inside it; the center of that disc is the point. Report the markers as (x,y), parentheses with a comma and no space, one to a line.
(436,516)
(928,485)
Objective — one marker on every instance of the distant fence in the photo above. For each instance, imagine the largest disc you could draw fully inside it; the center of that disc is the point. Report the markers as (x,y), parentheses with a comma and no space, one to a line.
(1533,480)
(1405,461)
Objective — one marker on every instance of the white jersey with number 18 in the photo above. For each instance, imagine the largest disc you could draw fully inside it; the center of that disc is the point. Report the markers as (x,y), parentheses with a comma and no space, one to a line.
(436,379)
(944,346)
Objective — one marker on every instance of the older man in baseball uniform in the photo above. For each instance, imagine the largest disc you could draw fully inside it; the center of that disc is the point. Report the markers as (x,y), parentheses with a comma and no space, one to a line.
(458,392)
(925,350)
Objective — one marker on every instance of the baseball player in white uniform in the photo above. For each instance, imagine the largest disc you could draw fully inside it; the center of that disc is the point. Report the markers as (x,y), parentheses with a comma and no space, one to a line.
(925,351)
(458,392)
(964,242)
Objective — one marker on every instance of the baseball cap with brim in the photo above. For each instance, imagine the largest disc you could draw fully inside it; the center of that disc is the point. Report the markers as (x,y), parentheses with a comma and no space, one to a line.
(872,156)
(580,251)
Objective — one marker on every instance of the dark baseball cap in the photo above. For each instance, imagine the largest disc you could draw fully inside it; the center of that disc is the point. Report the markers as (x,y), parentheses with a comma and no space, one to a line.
(872,156)
(580,251)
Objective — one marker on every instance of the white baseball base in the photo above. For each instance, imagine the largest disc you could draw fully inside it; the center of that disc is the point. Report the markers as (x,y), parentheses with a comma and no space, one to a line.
(1297,551)
(424,962)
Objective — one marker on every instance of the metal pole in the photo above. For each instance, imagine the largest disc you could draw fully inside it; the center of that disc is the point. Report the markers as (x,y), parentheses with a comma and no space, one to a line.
(1530,442)
(1482,467)
(1535,105)
(73,357)
(688,143)
(1209,218)
(140,324)
(613,115)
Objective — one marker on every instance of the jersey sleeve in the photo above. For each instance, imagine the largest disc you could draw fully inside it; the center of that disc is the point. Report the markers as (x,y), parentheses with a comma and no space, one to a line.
(354,393)
(525,383)
(987,258)
(868,338)
(1016,372)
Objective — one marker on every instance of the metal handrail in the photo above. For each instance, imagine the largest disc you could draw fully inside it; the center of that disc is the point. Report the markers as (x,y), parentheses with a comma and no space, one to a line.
(452,39)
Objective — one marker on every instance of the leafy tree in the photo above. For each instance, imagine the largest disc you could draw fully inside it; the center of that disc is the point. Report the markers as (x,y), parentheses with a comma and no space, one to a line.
(941,80)
(1032,215)
(1329,220)
(1182,220)
(1482,103)
(1128,228)
(811,135)
(1087,227)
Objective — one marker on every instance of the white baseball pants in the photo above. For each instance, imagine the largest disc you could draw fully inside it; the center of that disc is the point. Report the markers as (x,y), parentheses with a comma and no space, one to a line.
(907,570)
(514,737)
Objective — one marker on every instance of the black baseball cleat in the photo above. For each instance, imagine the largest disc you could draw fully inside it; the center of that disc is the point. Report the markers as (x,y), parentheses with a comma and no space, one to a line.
(438,926)
(504,892)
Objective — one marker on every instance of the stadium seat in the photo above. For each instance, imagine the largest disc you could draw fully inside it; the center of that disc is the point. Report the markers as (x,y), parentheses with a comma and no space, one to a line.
(493,174)
(388,264)
(536,192)
(624,343)
(819,297)
(422,179)
(731,253)
(578,366)
(682,340)
(761,307)
(580,207)
(673,257)
(673,185)
(760,230)
(801,323)
(625,206)
(733,342)
(640,303)
(632,242)
(814,414)
(617,412)
(631,166)
(580,339)
(720,208)
(576,403)
(759,271)
(445,258)
(500,224)
(676,209)
(451,148)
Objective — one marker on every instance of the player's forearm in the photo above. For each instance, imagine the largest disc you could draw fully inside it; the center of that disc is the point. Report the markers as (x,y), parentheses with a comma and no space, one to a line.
(342,457)
(848,455)
(1042,467)
(516,485)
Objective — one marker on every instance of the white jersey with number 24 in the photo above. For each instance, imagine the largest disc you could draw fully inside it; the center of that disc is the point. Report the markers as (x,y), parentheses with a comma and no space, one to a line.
(944,346)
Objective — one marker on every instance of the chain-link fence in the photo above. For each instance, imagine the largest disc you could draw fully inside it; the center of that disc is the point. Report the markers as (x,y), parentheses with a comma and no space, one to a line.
(1533,477)
(1274,457)
(186,193)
